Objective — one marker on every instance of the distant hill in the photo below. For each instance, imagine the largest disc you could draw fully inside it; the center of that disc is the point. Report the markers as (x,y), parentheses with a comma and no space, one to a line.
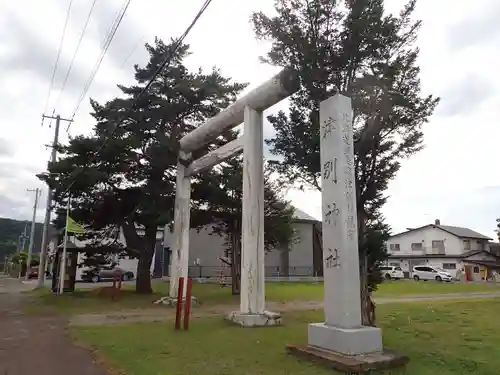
(10,230)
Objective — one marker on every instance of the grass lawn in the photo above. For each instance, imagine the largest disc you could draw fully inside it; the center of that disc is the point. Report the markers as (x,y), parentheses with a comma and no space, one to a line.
(84,300)
(449,338)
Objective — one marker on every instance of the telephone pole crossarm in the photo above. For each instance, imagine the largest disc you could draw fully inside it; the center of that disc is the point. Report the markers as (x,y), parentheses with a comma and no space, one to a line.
(57,117)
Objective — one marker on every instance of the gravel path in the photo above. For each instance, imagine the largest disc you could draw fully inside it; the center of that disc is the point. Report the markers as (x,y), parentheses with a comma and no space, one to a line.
(158,314)
(37,345)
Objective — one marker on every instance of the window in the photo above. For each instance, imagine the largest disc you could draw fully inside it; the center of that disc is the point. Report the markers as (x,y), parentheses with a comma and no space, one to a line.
(385,268)
(466,244)
(394,264)
(438,247)
(437,244)
(399,269)
(449,266)
(416,246)
(476,269)
(394,247)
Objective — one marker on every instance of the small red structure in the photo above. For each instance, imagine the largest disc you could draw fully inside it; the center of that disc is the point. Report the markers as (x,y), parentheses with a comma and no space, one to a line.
(187,308)
(117,284)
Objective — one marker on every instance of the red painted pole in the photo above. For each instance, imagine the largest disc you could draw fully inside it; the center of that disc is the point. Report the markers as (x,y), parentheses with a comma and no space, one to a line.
(178,311)
(187,310)
(113,292)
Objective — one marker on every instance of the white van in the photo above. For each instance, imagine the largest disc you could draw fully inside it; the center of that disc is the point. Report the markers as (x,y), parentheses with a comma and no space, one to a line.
(430,273)
(392,272)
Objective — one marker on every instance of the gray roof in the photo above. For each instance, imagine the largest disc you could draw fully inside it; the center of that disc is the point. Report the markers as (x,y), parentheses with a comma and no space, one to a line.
(456,231)
(463,232)
(301,215)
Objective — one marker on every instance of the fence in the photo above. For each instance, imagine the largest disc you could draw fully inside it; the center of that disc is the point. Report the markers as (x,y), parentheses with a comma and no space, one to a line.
(270,271)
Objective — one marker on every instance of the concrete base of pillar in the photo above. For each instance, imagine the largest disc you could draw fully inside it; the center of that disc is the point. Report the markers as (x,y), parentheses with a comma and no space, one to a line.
(172,302)
(355,364)
(265,319)
(346,341)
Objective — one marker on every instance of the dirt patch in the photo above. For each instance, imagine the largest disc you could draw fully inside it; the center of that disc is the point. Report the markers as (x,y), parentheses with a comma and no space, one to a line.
(158,314)
(38,344)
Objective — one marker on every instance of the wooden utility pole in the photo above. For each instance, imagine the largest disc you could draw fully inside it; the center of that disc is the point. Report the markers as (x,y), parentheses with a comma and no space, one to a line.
(37,192)
(48,205)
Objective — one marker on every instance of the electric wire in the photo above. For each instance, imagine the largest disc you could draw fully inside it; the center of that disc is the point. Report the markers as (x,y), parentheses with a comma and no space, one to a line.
(57,58)
(82,34)
(132,51)
(167,60)
(104,50)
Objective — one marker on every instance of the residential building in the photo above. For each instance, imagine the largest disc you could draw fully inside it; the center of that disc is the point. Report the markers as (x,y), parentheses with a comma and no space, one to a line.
(207,253)
(449,247)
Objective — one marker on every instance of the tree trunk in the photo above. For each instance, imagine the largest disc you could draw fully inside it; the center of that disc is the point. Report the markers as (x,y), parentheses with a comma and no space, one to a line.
(143,282)
(367,305)
(144,250)
(235,265)
(284,262)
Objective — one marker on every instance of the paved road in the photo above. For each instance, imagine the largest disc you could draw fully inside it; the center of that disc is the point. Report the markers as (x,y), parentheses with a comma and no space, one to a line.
(37,344)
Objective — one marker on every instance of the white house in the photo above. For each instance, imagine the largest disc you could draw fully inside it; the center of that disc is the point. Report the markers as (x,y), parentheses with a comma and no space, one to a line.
(445,246)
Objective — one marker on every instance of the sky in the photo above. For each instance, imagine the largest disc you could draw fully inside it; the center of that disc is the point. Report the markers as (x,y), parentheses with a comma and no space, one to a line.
(453,179)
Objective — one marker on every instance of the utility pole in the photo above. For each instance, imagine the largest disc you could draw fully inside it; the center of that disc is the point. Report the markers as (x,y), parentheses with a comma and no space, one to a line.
(37,192)
(23,238)
(48,206)
(22,244)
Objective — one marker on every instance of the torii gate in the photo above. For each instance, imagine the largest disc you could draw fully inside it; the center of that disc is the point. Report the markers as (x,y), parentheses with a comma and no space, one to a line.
(248,110)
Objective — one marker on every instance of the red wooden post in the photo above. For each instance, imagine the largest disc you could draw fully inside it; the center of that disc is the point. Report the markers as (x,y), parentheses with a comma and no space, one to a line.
(120,279)
(187,309)
(178,311)
(117,285)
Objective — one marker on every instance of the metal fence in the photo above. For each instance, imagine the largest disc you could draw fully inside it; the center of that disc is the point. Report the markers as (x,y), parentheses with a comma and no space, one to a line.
(270,271)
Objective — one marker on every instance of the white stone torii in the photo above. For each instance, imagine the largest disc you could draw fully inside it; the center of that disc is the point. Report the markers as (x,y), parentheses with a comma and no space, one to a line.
(248,110)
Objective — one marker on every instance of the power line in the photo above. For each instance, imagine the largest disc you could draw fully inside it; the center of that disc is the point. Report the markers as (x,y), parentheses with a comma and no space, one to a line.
(104,49)
(167,60)
(58,56)
(179,42)
(136,45)
(76,52)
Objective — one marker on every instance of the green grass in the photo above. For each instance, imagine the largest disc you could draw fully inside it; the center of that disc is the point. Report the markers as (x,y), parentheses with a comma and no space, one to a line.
(450,338)
(84,300)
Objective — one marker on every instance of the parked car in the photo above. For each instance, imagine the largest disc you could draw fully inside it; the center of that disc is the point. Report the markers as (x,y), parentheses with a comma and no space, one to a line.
(431,273)
(33,273)
(106,274)
(391,272)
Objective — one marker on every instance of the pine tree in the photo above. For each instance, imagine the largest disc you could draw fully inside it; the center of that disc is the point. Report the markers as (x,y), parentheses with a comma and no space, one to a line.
(123,175)
(349,47)
(223,210)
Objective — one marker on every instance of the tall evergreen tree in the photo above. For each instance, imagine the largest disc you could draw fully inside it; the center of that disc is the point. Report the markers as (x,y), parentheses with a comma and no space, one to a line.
(223,209)
(123,175)
(349,47)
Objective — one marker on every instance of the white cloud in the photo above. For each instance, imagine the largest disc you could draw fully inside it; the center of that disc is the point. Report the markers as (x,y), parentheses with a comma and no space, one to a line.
(453,179)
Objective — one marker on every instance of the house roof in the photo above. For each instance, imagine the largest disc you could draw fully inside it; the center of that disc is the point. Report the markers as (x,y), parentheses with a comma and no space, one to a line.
(463,256)
(456,231)
(463,232)
(301,215)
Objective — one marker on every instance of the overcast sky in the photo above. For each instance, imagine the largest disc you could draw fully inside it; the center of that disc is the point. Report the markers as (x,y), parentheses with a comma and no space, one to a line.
(454,179)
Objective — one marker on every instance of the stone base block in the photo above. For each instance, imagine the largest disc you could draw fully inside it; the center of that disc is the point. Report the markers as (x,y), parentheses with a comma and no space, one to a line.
(265,319)
(347,341)
(363,363)
(172,302)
